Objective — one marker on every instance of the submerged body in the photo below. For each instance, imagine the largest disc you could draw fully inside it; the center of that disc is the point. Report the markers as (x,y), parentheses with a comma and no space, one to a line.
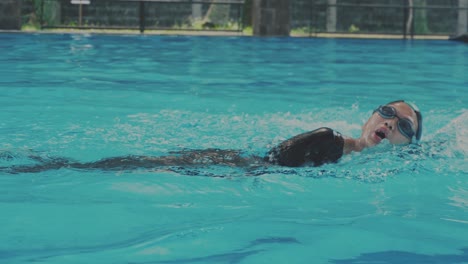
(315,148)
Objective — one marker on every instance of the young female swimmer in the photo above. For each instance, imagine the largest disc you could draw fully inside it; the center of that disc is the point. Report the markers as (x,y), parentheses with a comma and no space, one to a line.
(398,122)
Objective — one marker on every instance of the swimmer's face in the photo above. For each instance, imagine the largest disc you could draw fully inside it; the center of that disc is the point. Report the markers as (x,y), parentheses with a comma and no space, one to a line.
(378,128)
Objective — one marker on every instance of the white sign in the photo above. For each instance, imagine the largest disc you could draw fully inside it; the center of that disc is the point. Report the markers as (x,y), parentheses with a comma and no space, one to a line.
(81,2)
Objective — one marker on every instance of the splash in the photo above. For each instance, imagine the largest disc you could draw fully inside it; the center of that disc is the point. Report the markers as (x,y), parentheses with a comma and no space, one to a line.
(451,142)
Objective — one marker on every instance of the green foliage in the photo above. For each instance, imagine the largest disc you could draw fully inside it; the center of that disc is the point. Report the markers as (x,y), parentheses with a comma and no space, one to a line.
(302,31)
(420,19)
(30,27)
(43,13)
(353,29)
(197,24)
(200,24)
(31,21)
(248,30)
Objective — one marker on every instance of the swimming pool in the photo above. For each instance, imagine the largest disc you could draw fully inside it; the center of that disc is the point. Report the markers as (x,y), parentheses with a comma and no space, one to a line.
(88,97)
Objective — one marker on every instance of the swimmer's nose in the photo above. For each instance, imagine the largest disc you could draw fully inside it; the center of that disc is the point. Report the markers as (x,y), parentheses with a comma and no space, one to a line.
(389,126)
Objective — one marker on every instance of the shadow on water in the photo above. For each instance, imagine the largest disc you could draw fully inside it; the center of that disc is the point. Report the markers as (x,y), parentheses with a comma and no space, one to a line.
(237,255)
(234,257)
(395,256)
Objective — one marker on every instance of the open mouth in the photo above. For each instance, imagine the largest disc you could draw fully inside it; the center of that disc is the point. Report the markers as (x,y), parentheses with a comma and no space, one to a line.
(380,134)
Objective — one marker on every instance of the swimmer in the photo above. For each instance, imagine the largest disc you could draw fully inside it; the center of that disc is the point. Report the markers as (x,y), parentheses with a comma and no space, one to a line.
(399,122)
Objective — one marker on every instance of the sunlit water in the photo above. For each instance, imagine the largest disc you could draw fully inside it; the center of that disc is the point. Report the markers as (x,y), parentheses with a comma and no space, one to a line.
(88,97)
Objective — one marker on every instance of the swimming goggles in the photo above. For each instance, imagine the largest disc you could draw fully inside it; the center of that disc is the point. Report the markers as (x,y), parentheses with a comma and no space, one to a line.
(404,124)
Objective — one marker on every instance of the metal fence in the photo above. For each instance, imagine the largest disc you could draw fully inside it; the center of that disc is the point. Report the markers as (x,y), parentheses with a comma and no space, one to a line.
(225,15)
(307,17)
(401,17)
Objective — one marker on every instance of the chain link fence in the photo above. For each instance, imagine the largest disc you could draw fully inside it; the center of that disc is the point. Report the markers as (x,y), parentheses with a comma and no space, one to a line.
(307,17)
(408,17)
(225,15)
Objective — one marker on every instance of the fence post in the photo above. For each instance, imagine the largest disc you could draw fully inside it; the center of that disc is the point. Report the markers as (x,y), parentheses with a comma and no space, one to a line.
(142,16)
(331,16)
(41,18)
(197,14)
(311,18)
(405,17)
(409,18)
(271,17)
(80,16)
(412,20)
(462,21)
(239,18)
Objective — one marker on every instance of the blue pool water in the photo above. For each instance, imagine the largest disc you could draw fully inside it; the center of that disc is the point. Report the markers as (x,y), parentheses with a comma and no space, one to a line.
(88,97)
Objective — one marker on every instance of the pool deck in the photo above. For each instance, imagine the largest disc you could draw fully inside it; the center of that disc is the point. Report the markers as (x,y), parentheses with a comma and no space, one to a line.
(223,33)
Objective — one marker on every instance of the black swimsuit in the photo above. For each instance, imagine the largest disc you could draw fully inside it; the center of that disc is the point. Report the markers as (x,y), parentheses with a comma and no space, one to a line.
(316,147)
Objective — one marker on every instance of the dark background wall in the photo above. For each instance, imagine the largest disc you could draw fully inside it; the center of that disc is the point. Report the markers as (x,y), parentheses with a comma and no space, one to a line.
(10,14)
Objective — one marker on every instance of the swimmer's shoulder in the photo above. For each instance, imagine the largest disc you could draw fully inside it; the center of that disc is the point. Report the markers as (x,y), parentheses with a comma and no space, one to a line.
(316,147)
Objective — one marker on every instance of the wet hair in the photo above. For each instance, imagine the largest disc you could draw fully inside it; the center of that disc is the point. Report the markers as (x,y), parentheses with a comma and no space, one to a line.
(418,116)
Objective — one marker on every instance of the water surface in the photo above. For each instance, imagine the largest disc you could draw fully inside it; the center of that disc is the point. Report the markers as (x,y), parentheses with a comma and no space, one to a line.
(88,97)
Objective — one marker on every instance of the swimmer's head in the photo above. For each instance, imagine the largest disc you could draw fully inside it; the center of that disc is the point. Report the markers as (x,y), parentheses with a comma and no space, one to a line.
(399,122)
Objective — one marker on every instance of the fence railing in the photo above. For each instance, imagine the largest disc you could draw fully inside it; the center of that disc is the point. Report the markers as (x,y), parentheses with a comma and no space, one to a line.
(307,17)
(222,15)
(409,18)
